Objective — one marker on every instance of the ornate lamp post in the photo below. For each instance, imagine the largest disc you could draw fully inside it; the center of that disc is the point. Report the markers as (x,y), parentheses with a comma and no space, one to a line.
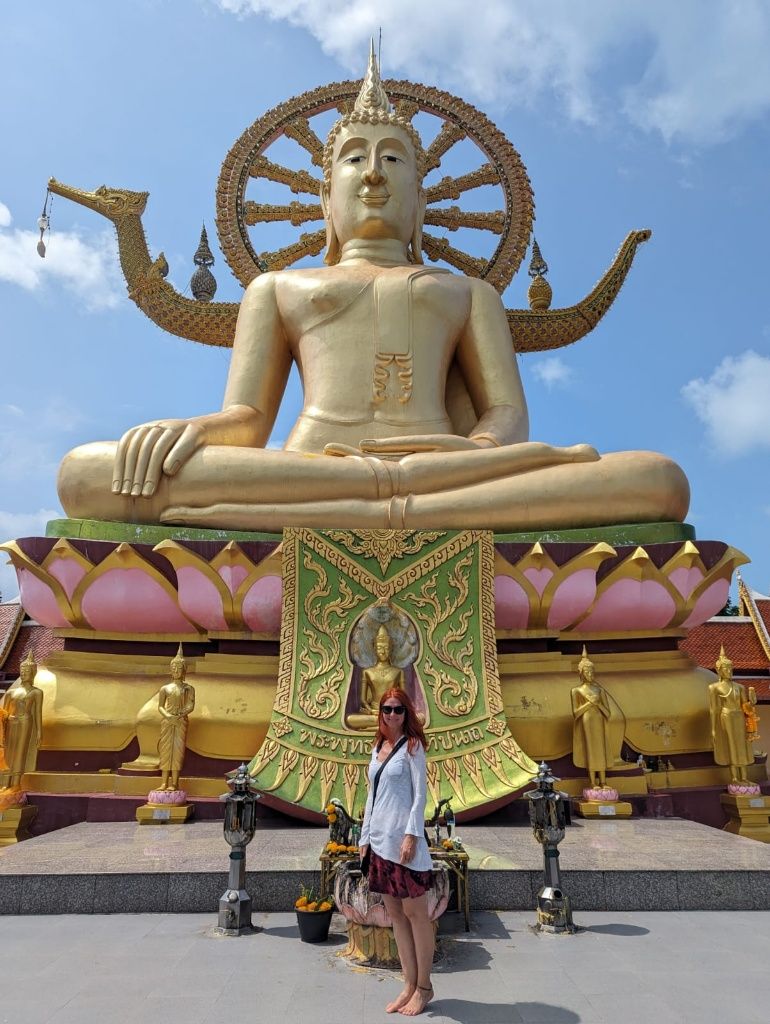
(549,815)
(240,823)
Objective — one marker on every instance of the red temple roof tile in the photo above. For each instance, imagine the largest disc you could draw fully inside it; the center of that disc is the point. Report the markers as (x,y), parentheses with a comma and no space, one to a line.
(741,643)
(38,639)
(11,618)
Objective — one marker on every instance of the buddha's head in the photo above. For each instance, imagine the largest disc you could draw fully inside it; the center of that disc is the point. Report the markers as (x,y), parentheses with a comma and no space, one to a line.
(373,166)
(724,666)
(178,666)
(382,644)
(28,669)
(586,669)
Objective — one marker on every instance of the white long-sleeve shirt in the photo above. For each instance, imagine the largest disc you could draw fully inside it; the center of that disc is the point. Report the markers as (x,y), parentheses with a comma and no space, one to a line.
(399,809)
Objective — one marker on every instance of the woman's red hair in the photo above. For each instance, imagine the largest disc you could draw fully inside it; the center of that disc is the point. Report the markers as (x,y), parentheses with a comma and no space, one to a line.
(412,724)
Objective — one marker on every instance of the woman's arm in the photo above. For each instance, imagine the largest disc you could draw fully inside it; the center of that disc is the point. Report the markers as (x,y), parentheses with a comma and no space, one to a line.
(364,839)
(415,827)
(416,761)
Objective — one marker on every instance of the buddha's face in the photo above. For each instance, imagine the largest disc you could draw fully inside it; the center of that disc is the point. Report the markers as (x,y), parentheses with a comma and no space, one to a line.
(588,675)
(726,670)
(375,189)
(27,673)
(382,647)
(177,671)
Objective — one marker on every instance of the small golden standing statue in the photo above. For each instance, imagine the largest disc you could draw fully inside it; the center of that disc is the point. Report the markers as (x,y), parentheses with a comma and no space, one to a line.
(382,676)
(598,726)
(21,726)
(176,701)
(727,703)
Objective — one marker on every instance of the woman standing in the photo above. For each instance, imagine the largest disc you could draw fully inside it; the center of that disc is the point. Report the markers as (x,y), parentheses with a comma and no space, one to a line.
(393,835)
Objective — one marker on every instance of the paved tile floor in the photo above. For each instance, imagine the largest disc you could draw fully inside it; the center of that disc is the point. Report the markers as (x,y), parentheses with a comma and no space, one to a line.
(622,968)
(638,844)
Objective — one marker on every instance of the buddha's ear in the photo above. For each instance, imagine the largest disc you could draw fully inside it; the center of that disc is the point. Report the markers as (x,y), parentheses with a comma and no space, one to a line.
(416,240)
(332,242)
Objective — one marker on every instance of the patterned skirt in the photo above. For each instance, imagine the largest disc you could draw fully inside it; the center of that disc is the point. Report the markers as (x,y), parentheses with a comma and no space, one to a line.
(385,876)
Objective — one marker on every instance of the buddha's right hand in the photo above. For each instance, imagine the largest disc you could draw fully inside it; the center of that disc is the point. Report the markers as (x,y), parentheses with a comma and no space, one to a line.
(151,449)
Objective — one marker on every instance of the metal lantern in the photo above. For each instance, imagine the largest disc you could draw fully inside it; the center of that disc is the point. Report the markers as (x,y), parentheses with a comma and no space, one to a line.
(549,815)
(240,824)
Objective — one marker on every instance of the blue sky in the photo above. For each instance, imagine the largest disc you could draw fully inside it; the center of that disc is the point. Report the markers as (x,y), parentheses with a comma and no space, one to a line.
(641,114)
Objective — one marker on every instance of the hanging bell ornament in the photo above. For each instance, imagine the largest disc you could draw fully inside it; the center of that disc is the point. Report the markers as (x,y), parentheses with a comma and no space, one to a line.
(44,223)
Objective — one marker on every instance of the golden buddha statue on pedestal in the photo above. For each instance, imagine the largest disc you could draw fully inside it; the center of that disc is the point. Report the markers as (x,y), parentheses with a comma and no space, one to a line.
(598,726)
(21,729)
(176,701)
(384,645)
(728,720)
(380,341)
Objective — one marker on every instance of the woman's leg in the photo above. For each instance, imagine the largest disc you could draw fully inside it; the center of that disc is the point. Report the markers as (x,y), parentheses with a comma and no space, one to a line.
(416,913)
(402,933)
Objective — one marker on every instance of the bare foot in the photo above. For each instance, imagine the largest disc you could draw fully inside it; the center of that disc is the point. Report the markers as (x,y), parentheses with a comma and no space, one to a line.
(402,999)
(418,1002)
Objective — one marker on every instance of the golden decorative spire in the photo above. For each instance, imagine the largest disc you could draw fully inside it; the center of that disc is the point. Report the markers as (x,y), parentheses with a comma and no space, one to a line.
(372,99)
(540,293)
(178,659)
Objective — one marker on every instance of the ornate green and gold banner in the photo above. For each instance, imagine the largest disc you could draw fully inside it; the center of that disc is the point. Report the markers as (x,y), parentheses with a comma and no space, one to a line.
(368,609)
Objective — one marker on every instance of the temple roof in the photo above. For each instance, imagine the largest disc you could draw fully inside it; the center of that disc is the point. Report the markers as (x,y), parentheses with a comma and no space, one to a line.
(746,640)
(20,635)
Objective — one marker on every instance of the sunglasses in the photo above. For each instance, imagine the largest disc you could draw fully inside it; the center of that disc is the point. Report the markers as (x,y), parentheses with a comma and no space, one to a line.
(392,709)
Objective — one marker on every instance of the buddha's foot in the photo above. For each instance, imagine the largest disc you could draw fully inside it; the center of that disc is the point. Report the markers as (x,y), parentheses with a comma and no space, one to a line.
(419,1001)
(401,1000)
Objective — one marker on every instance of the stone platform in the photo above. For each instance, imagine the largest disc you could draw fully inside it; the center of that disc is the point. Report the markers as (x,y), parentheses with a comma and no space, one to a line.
(619,865)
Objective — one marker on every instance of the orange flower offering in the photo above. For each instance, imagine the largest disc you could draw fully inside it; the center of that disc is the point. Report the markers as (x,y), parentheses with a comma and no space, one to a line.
(307,902)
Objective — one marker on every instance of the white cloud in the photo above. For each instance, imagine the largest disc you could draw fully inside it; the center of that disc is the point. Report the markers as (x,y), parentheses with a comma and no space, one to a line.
(692,70)
(30,441)
(733,403)
(85,266)
(25,524)
(12,526)
(553,372)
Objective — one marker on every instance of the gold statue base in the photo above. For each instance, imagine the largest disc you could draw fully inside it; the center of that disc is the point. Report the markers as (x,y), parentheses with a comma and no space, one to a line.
(604,808)
(370,945)
(749,816)
(164,814)
(14,824)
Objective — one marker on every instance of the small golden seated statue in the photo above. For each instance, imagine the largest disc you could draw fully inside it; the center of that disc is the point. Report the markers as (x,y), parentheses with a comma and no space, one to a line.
(21,729)
(383,644)
(381,677)
(728,720)
(414,414)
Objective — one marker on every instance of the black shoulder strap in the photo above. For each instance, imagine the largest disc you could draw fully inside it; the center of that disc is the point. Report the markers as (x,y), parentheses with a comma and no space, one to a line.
(376,782)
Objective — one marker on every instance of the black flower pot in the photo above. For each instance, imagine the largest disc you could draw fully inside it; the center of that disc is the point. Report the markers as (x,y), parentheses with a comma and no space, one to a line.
(314,925)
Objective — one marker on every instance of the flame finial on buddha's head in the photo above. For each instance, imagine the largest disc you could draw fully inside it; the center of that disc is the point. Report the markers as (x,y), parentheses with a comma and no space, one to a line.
(372,98)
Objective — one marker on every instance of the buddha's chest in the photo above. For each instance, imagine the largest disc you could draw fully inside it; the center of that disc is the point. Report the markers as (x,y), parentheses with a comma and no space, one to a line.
(419,315)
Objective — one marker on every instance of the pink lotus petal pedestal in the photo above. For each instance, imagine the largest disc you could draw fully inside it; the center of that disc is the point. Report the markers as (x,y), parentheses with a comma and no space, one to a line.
(603,802)
(748,813)
(165,807)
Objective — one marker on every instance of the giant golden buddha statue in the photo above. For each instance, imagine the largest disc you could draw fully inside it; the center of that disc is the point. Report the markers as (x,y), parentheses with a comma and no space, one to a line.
(376,336)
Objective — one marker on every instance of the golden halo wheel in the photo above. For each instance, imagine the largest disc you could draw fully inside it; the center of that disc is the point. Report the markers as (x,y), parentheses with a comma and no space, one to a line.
(509,228)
